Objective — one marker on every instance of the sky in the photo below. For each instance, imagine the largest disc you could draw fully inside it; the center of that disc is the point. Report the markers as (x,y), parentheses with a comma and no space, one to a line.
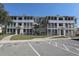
(43,9)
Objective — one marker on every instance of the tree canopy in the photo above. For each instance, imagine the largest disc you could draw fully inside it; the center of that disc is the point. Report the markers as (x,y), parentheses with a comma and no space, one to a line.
(4,16)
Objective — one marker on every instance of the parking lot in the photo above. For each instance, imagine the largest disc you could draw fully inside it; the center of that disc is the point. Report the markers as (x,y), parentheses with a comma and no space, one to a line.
(41,48)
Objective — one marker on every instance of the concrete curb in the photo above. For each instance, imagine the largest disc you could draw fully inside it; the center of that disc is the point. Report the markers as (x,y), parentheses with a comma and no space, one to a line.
(33,40)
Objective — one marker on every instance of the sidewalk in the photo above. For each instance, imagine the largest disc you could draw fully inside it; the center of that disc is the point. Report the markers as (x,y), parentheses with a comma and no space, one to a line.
(7,38)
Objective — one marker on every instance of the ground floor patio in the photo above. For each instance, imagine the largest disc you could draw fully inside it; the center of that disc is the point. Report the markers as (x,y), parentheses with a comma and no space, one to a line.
(50,32)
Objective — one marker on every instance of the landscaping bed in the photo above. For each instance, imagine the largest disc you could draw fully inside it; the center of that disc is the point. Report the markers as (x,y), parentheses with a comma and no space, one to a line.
(26,37)
(2,36)
(59,37)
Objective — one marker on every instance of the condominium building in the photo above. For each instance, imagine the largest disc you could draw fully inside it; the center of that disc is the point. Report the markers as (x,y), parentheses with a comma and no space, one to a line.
(57,25)
(61,25)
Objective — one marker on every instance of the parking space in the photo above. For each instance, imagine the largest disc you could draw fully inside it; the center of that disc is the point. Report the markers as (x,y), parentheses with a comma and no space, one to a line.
(40,48)
(68,45)
(21,49)
(46,49)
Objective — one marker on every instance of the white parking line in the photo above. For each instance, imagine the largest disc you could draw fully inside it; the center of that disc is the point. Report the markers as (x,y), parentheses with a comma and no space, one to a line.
(33,48)
(74,48)
(49,42)
(65,47)
(56,44)
(77,49)
(69,51)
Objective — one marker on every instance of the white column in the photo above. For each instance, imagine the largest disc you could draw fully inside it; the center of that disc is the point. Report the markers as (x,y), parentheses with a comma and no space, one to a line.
(47,29)
(21,30)
(64,26)
(58,31)
(12,31)
(51,28)
(26,31)
(64,32)
(16,31)
(71,32)
(16,28)
(8,32)
(64,29)
(51,31)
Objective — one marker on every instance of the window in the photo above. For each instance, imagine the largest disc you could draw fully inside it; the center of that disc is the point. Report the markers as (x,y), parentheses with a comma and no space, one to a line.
(55,18)
(24,30)
(60,24)
(60,18)
(10,30)
(49,25)
(30,30)
(66,31)
(49,18)
(25,18)
(30,24)
(66,25)
(14,18)
(55,32)
(71,18)
(52,18)
(13,31)
(49,31)
(28,17)
(70,25)
(7,30)
(27,24)
(20,18)
(11,24)
(69,31)
(14,24)
(8,24)
(55,25)
(68,18)
(65,18)
(20,24)
(31,17)
(24,24)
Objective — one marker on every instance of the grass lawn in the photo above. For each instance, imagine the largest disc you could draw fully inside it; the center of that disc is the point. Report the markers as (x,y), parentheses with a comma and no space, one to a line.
(2,36)
(26,37)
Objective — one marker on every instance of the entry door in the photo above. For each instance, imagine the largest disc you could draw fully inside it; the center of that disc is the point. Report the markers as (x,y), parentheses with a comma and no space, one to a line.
(62,32)
(18,31)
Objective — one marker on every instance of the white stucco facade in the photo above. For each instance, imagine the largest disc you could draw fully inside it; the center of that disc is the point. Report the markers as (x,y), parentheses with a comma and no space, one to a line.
(57,25)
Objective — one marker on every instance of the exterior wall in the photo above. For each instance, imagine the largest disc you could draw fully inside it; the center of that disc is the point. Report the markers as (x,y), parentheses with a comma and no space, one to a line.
(67,28)
(77,32)
(25,26)
(20,26)
(0,29)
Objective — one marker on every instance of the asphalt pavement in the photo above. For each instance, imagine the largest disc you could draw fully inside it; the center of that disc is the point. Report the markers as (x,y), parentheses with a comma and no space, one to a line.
(41,48)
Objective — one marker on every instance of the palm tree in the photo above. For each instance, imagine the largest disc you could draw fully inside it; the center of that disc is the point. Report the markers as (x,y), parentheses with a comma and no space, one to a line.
(43,25)
(36,29)
(4,17)
(40,28)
